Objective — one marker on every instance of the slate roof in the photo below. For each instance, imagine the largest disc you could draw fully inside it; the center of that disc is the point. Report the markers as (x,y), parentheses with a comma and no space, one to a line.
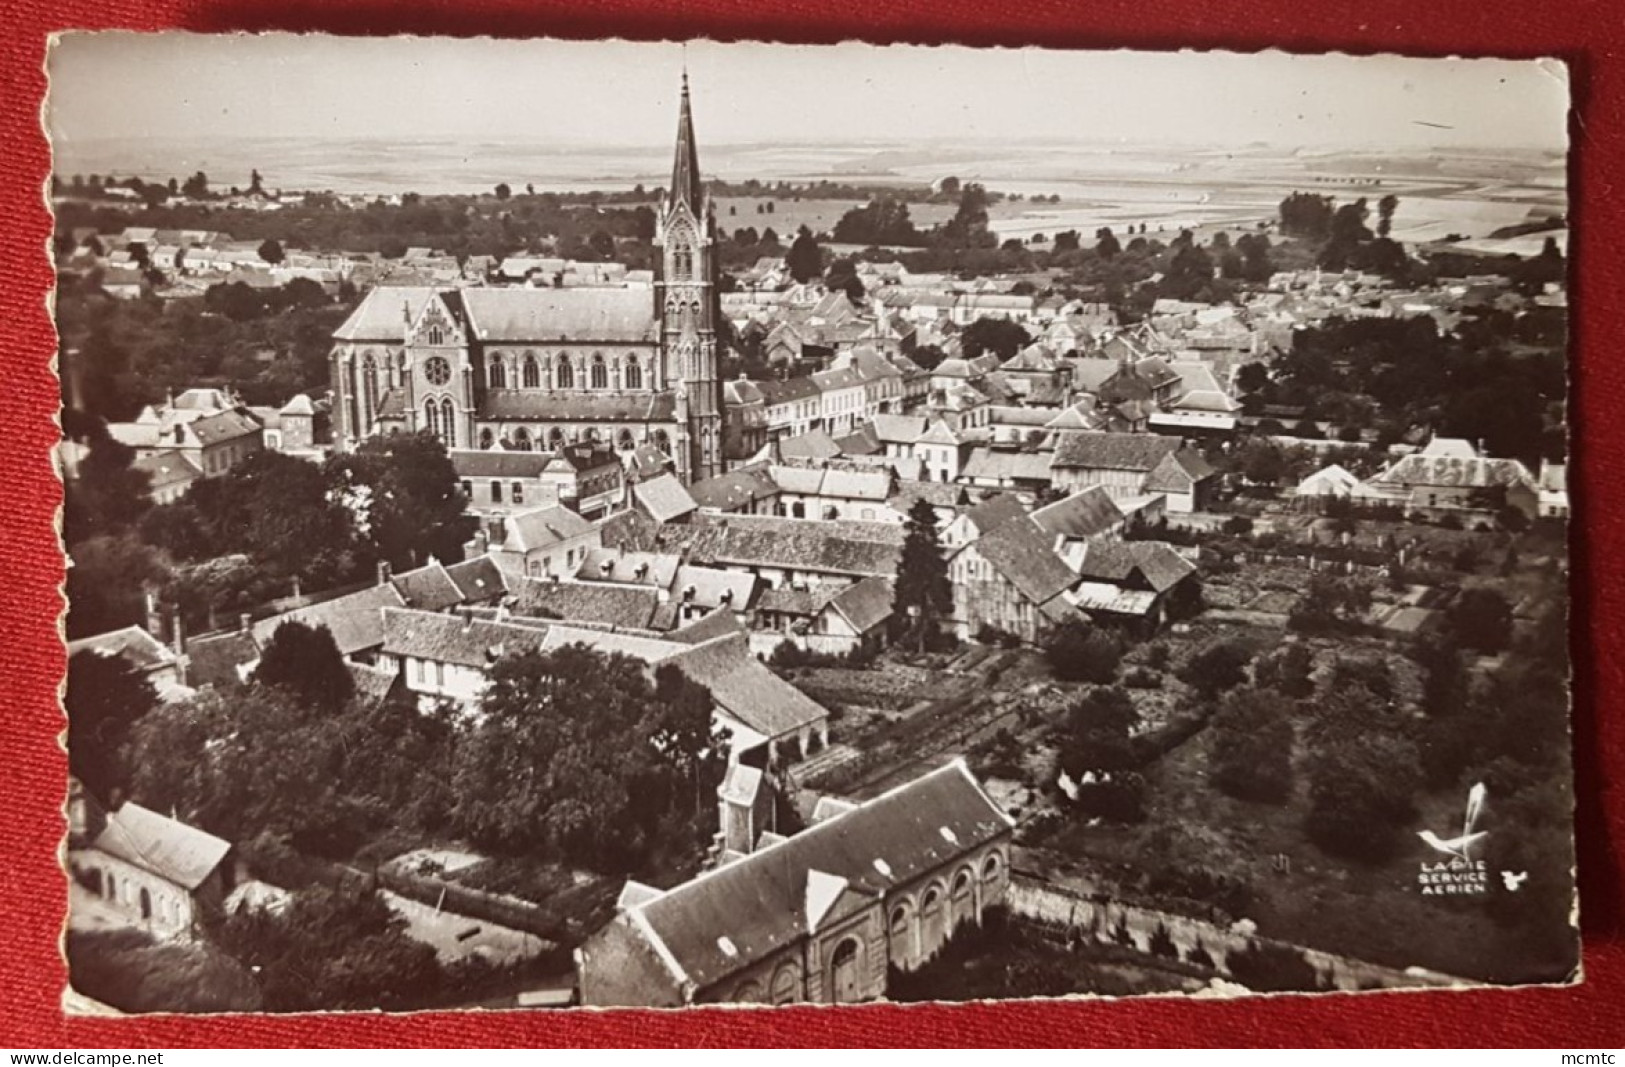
(939,494)
(166,469)
(1001,465)
(711,587)
(1081,516)
(494,463)
(532,404)
(995,511)
(1178,472)
(478,579)
(580,315)
(744,687)
(605,603)
(225,426)
(664,498)
(380,315)
(180,854)
(719,623)
(1023,555)
(813,445)
(787,390)
(1113,451)
(899,429)
(757,905)
(429,588)
(657,570)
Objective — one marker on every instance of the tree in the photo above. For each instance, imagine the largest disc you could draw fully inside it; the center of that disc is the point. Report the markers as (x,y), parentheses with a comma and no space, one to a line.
(1251,754)
(805,260)
(502,191)
(106,695)
(1481,619)
(1218,667)
(882,221)
(304,662)
(1385,214)
(107,579)
(1287,671)
(602,244)
(1002,337)
(596,768)
(1106,243)
(109,496)
(923,596)
(842,277)
(1361,793)
(1096,751)
(271,251)
(1080,653)
(197,186)
(1306,215)
(1330,603)
(405,498)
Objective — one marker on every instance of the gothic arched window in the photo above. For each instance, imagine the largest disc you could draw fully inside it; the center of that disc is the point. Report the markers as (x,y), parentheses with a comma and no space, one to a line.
(448,419)
(634,374)
(531,374)
(663,441)
(682,260)
(624,441)
(431,417)
(369,391)
(590,434)
(555,439)
(521,439)
(487,438)
(498,375)
(598,377)
(565,374)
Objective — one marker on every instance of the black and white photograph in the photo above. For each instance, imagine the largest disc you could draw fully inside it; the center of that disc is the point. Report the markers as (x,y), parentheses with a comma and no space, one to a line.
(585,524)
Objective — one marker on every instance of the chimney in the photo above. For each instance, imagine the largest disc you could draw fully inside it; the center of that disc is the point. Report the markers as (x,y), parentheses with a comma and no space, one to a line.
(244,622)
(298,593)
(383,572)
(155,621)
(468,618)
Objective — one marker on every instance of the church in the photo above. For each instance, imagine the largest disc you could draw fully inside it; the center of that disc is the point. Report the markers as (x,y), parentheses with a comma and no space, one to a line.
(538,369)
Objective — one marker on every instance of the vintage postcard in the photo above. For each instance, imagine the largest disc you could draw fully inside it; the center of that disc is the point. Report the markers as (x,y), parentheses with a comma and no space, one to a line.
(605,523)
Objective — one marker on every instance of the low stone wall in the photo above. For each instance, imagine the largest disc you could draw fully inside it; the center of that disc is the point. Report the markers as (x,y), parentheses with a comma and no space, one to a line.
(1081,918)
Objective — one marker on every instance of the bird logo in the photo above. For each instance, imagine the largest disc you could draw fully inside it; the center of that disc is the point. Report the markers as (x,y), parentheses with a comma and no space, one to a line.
(1513,880)
(1461,847)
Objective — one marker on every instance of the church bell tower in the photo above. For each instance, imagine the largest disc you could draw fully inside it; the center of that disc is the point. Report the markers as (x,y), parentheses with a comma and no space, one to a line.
(685,234)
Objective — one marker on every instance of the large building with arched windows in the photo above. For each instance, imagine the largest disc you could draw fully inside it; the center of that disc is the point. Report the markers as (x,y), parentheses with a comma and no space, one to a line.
(542,368)
(820,917)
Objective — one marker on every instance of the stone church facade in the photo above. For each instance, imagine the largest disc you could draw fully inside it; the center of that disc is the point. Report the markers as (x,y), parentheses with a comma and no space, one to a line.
(535,369)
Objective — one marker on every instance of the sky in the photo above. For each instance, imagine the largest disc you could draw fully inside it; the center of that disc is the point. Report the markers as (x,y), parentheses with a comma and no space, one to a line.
(618,93)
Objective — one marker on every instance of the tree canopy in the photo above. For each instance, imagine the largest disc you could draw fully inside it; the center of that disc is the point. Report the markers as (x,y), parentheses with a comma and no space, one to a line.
(923,597)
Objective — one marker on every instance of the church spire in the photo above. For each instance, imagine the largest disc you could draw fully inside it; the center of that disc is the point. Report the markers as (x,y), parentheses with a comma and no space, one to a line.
(686,186)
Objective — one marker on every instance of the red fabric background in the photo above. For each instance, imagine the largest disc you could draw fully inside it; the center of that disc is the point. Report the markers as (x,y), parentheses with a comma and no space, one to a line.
(1587,33)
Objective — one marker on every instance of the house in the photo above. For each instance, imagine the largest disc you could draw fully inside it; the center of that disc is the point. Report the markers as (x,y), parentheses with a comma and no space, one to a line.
(983,517)
(1442,484)
(169,474)
(159,874)
(1010,580)
(620,607)
(829,620)
(353,618)
(545,542)
(150,657)
(664,499)
(1087,515)
(794,553)
(830,491)
(747,490)
(1329,483)
(1554,490)
(819,917)
(754,706)
(1132,584)
(499,483)
(1007,468)
(1128,465)
(744,419)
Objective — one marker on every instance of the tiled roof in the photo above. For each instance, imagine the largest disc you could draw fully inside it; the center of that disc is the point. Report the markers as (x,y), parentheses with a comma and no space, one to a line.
(664,498)
(735,489)
(429,587)
(788,390)
(1116,562)
(544,528)
(1081,516)
(1113,451)
(856,549)
(899,429)
(133,643)
(747,911)
(1455,473)
(1003,465)
(478,579)
(865,604)
(719,623)
(657,570)
(1023,555)
(744,687)
(178,853)
(995,511)
(214,660)
(353,619)
(465,641)
(938,494)
(605,603)
(225,426)
(712,587)
(536,405)
(814,445)
(165,469)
